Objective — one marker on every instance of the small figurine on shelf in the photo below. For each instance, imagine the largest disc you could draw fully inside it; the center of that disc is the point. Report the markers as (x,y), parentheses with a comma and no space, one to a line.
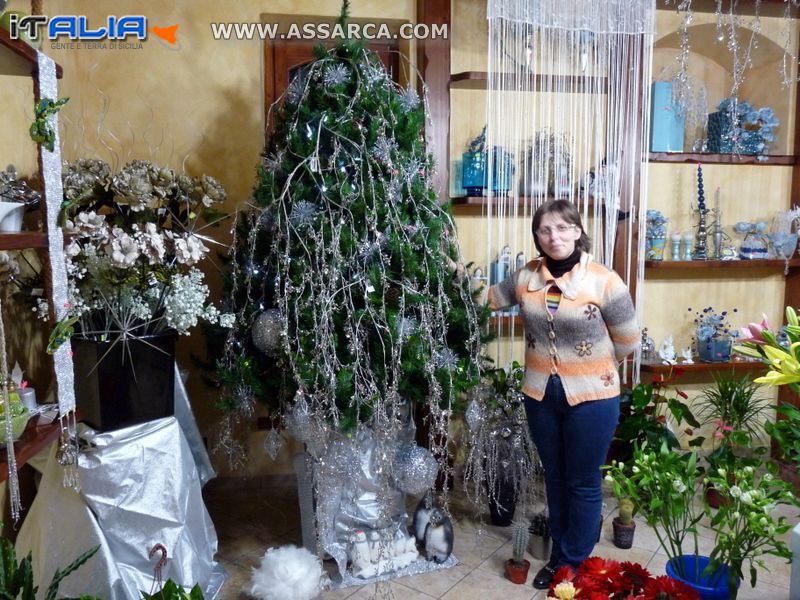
(667,351)
(688,244)
(687,356)
(478,279)
(675,239)
(648,347)
(656,234)
(753,246)
(500,270)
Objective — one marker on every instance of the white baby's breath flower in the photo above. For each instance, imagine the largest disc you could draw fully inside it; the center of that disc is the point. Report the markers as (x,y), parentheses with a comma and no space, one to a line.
(227,320)
(678,486)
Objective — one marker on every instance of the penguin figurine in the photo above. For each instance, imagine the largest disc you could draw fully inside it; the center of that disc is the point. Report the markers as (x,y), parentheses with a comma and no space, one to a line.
(421,517)
(438,536)
(360,555)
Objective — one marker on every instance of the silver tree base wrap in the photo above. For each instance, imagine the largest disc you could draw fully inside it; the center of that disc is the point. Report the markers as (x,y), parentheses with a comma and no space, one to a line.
(359,490)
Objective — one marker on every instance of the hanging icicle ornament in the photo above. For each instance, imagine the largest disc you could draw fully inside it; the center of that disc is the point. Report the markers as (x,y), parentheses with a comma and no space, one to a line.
(273,443)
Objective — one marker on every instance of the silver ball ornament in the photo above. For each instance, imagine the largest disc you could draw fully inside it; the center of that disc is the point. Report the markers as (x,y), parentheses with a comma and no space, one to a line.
(267,331)
(414,469)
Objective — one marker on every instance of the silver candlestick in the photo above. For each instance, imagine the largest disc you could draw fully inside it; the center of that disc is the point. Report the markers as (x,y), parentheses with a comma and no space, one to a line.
(700,241)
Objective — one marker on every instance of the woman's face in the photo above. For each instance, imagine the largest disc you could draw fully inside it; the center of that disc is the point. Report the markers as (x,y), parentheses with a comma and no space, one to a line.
(557,237)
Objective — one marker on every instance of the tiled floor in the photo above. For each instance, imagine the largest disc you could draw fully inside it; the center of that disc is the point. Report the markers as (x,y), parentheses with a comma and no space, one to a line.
(250,521)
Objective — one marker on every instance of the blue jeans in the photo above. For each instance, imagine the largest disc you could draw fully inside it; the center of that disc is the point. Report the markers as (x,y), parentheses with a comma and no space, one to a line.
(572,442)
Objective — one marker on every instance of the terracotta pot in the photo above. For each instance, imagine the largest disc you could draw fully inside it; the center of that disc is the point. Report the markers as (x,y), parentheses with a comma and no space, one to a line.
(517,572)
(623,534)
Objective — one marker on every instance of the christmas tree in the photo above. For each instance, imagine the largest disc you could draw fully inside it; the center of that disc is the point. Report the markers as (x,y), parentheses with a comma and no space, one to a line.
(351,300)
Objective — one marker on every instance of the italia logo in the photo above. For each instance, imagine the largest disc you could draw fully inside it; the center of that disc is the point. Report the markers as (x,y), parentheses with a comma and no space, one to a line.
(76,27)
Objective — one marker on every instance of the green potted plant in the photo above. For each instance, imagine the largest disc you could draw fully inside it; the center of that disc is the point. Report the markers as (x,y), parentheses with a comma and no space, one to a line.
(786,433)
(782,359)
(16,579)
(624,525)
(662,483)
(646,412)
(517,566)
(736,411)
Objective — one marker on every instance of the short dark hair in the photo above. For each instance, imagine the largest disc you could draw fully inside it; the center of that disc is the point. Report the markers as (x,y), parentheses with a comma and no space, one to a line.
(567,211)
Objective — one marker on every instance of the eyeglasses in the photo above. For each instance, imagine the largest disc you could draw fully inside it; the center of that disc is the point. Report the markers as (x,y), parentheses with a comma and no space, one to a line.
(560,229)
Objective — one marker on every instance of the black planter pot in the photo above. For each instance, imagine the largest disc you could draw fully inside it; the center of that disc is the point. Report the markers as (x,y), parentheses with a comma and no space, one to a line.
(502,504)
(122,384)
(623,534)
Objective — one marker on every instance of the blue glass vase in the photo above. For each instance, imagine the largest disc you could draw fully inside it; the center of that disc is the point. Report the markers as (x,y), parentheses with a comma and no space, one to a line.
(473,173)
(714,350)
(503,171)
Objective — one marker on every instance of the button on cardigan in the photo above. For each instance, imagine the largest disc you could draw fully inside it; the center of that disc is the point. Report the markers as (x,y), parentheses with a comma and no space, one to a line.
(592,330)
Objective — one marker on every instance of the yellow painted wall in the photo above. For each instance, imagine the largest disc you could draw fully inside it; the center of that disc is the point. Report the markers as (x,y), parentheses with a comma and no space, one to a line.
(204,99)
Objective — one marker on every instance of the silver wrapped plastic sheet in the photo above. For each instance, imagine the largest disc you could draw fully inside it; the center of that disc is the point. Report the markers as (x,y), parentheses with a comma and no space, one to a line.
(139,487)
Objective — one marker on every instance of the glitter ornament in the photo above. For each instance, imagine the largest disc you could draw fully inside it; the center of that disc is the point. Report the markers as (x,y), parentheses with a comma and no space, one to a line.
(474,415)
(266,331)
(414,469)
(409,100)
(336,75)
(303,214)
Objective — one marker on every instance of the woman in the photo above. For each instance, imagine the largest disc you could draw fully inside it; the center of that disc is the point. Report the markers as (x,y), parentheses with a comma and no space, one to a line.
(579,323)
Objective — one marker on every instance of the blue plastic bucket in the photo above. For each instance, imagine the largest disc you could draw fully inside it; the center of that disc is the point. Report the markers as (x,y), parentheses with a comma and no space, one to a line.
(710,587)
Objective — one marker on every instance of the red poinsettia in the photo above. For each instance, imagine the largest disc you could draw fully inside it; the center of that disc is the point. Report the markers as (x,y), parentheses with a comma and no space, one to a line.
(600,575)
(667,588)
(601,579)
(634,577)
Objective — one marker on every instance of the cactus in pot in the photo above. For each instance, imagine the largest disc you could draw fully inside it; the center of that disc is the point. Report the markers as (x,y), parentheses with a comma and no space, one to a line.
(624,525)
(517,566)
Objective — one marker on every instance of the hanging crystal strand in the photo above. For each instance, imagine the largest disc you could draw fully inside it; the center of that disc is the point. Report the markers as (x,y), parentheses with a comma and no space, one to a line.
(13,477)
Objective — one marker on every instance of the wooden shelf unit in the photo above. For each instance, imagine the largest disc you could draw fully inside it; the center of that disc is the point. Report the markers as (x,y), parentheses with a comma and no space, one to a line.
(20,59)
(23,240)
(701,367)
(479,80)
(788,160)
(694,265)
